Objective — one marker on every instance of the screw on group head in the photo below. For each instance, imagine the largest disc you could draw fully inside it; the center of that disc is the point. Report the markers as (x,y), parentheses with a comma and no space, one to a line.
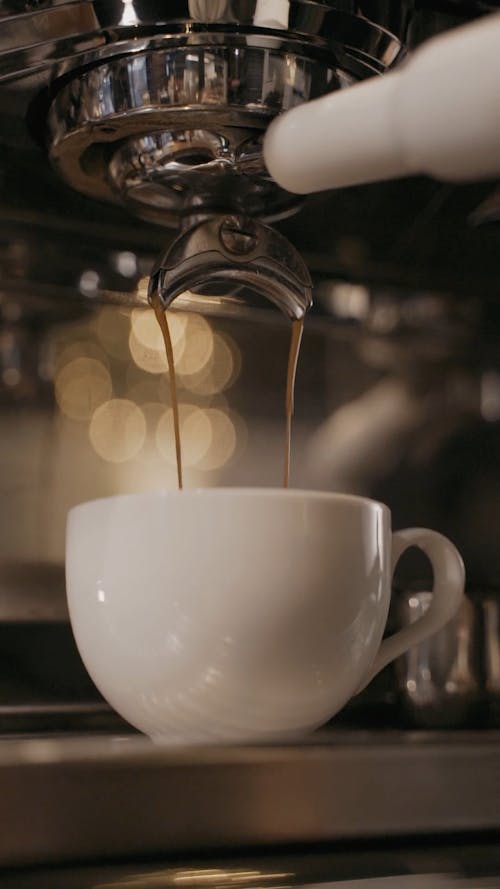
(238,235)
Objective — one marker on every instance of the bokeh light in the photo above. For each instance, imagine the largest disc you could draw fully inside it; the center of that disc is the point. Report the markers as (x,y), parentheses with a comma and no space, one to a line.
(142,289)
(153,412)
(117,430)
(89,282)
(148,455)
(112,327)
(220,372)
(147,330)
(151,360)
(146,341)
(80,348)
(223,440)
(208,437)
(196,434)
(125,401)
(81,386)
(198,346)
(125,263)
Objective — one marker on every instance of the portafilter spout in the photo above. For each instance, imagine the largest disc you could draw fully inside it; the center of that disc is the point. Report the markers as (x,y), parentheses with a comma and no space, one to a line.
(231,264)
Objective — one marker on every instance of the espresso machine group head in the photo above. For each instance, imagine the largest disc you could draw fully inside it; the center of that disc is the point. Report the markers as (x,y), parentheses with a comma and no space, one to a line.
(162,108)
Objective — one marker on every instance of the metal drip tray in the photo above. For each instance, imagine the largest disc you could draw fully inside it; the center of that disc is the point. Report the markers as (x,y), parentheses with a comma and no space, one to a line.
(98,798)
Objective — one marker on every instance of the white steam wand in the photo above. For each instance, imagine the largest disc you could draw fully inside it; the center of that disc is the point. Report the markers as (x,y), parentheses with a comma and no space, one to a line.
(439,114)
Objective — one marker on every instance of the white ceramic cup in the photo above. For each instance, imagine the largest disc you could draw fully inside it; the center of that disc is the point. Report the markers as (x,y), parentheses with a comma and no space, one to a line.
(225,614)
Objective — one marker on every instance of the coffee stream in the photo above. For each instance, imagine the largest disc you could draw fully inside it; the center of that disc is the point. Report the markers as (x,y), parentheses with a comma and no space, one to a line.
(161,317)
(293,357)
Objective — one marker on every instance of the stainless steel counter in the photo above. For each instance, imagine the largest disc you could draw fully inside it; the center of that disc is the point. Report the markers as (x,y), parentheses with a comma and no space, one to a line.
(90,798)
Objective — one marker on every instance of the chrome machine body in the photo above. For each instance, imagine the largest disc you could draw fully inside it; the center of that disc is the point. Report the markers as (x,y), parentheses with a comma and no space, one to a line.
(161,114)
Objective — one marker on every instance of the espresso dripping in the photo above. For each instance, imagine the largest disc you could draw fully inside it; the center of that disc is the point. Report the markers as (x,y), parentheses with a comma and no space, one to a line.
(293,357)
(291,373)
(161,317)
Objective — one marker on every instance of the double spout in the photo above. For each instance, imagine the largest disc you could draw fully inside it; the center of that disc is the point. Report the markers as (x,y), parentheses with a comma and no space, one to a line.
(229,263)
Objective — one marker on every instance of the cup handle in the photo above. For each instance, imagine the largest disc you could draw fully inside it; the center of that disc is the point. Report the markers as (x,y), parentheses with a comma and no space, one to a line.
(448,591)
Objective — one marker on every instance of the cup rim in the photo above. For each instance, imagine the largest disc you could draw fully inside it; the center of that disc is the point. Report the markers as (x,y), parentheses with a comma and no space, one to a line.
(232,492)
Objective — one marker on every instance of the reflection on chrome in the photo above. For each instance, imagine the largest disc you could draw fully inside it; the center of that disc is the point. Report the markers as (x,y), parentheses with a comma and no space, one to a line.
(215,877)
